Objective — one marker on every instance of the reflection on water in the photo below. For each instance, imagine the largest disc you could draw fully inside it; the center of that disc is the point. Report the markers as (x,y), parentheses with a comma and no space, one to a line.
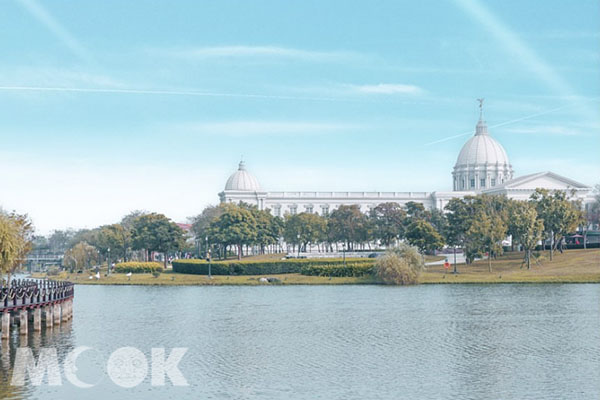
(345,342)
(59,337)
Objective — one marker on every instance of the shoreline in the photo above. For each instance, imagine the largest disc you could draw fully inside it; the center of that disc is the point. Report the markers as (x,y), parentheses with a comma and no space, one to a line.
(574,266)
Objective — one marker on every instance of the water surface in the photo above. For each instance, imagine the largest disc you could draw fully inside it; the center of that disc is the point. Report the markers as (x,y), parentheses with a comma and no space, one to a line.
(338,342)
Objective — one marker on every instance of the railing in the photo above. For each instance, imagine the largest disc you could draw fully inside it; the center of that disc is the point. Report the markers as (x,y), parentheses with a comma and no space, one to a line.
(27,293)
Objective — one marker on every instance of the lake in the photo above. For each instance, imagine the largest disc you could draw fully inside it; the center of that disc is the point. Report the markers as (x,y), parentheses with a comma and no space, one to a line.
(334,342)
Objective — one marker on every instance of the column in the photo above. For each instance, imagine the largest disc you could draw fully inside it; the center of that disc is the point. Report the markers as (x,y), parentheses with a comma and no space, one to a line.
(48,310)
(65,313)
(23,321)
(56,313)
(5,325)
(37,319)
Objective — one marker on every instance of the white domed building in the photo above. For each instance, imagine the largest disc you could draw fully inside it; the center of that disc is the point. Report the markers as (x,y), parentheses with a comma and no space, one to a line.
(482,166)
(482,162)
(242,181)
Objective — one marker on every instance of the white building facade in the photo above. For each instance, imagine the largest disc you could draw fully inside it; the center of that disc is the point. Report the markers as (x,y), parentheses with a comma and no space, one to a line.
(482,166)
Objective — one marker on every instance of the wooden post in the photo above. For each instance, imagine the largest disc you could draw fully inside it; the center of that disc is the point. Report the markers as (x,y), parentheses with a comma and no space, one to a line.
(49,311)
(23,321)
(71,309)
(37,319)
(65,313)
(56,313)
(5,325)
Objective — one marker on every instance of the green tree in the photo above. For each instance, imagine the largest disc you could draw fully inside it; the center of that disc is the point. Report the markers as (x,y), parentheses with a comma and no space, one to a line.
(592,214)
(59,241)
(268,228)
(201,222)
(80,256)
(116,238)
(235,226)
(305,228)
(423,235)
(525,227)
(459,215)
(388,220)
(16,236)
(488,227)
(349,225)
(559,215)
(155,232)
(415,211)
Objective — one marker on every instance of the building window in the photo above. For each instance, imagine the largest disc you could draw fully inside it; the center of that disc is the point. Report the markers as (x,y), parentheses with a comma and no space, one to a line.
(309,209)
(293,210)
(482,182)
(277,211)
(325,210)
(493,181)
(462,184)
(472,183)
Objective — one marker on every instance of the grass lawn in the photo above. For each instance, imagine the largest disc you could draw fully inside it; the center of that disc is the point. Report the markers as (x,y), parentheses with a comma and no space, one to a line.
(175,279)
(573,266)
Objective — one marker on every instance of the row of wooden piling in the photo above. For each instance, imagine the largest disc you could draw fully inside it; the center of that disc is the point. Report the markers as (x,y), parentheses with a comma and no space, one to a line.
(50,314)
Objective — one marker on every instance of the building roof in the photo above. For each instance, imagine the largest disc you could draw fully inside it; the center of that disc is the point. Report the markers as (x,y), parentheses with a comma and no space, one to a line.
(242,180)
(548,180)
(482,148)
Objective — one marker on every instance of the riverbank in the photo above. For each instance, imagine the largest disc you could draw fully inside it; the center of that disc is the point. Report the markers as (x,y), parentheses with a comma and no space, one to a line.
(573,266)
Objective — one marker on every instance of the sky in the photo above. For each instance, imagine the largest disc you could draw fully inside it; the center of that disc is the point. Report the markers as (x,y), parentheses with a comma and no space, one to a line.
(111,106)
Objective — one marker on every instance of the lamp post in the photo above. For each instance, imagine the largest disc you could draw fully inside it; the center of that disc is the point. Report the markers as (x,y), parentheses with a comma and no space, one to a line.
(208,258)
(344,253)
(108,261)
(298,236)
(455,271)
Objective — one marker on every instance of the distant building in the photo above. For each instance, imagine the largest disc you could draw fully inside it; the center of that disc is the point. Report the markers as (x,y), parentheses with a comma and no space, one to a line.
(482,166)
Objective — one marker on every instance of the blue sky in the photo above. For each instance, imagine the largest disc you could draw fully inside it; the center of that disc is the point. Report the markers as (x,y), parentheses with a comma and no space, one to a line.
(110,106)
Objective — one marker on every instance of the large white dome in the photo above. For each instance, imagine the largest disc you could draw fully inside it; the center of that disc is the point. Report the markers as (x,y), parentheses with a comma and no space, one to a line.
(482,149)
(482,162)
(242,180)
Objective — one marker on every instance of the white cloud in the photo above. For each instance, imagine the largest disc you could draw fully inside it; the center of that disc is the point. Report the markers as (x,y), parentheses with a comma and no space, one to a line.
(254,52)
(259,128)
(388,88)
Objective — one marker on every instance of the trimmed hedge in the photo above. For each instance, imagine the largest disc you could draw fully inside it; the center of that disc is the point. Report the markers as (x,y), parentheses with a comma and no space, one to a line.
(351,269)
(136,267)
(200,267)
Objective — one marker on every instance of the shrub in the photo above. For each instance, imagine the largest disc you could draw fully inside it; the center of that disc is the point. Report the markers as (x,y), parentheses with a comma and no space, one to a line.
(200,267)
(351,269)
(138,267)
(400,266)
(156,274)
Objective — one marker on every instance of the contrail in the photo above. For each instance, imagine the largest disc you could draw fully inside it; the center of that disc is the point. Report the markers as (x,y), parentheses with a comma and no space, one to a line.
(165,92)
(512,121)
(46,19)
(517,48)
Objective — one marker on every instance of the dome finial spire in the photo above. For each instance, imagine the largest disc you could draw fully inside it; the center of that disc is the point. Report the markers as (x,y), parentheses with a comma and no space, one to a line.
(480,108)
(481,128)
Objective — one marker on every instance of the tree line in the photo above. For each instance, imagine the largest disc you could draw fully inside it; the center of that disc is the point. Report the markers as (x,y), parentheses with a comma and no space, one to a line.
(135,237)
(477,224)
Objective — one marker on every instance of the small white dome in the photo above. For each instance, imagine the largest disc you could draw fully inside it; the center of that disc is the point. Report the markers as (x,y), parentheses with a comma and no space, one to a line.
(482,149)
(242,180)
